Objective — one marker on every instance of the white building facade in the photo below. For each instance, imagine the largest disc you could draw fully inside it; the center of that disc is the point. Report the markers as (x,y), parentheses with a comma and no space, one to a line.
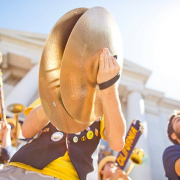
(21,56)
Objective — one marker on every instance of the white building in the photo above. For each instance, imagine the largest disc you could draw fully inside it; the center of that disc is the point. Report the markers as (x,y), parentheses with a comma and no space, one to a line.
(21,55)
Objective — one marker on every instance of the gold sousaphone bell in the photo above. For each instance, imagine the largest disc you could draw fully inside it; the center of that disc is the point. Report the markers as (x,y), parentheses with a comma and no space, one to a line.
(69,64)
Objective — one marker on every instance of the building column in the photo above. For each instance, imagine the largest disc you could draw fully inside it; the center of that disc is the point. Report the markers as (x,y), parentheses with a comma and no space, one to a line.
(3,59)
(135,110)
(25,90)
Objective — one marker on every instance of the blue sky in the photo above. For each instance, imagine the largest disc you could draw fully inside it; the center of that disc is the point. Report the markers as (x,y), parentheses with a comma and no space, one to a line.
(150,31)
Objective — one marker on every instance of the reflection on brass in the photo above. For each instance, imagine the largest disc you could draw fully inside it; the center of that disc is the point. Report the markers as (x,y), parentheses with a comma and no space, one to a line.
(69,64)
(16,108)
(12,122)
(137,158)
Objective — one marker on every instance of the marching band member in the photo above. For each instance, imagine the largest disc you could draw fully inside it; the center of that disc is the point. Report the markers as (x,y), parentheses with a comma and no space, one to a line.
(171,155)
(8,130)
(49,157)
(108,170)
(57,153)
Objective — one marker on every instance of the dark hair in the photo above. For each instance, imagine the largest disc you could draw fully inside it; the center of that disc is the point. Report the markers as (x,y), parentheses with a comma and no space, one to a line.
(170,129)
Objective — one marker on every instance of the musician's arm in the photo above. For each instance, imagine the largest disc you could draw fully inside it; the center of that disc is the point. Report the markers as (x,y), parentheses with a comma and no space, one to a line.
(34,122)
(113,118)
(6,141)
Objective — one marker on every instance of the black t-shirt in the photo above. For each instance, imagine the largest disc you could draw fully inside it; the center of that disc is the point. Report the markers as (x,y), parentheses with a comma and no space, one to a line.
(4,156)
(170,155)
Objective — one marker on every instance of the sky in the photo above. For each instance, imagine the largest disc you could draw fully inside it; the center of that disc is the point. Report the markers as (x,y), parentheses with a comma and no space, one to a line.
(150,31)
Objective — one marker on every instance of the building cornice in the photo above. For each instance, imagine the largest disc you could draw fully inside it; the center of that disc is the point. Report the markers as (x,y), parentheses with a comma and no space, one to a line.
(21,38)
(138,72)
(36,38)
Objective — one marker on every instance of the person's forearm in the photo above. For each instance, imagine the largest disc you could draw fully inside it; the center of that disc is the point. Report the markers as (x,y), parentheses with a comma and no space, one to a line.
(113,118)
(6,141)
(34,122)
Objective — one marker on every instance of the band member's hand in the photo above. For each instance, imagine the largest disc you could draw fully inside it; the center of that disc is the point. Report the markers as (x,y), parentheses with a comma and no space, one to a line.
(4,126)
(119,175)
(108,66)
(4,129)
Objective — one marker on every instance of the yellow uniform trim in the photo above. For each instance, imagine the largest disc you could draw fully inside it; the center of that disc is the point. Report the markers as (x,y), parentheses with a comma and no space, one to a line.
(60,168)
(37,102)
(102,128)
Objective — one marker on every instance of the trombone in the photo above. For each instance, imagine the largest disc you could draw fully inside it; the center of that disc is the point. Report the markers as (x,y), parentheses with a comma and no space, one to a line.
(16,109)
(138,157)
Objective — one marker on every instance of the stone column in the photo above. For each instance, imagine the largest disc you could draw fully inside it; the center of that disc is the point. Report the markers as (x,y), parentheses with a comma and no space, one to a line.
(3,59)
(135,110)
(24,91)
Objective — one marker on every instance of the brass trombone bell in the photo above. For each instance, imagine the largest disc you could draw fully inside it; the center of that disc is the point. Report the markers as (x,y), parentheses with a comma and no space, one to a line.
(138,157)
(16,108)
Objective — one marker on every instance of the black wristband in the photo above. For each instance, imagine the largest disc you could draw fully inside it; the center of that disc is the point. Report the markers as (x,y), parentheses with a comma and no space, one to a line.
(115,56)
(109,83)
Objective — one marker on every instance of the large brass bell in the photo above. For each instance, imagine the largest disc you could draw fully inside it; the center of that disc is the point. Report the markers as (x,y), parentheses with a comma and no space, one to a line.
(138,157)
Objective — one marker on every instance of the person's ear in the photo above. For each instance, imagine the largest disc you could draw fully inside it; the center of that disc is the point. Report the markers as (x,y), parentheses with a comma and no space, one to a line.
(173,136)
(102,172)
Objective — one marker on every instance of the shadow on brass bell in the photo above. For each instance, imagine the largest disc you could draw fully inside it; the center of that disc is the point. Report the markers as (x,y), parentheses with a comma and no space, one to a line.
(138,157)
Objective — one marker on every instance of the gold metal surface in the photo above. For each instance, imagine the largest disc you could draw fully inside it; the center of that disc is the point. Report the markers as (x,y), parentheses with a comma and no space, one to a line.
(95,30)
(49,74)
(17,127)
(137,158)
(16,109)
(68,70)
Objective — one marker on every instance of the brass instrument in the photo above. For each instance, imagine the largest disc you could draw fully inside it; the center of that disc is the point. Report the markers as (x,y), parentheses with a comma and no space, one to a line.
(138,157)
(16,109)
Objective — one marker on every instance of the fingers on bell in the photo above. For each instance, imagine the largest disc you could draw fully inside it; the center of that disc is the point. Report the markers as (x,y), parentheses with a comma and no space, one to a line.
(101,61)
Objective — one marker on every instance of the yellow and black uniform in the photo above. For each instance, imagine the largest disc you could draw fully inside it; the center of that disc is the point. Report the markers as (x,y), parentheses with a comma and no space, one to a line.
(75,151)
